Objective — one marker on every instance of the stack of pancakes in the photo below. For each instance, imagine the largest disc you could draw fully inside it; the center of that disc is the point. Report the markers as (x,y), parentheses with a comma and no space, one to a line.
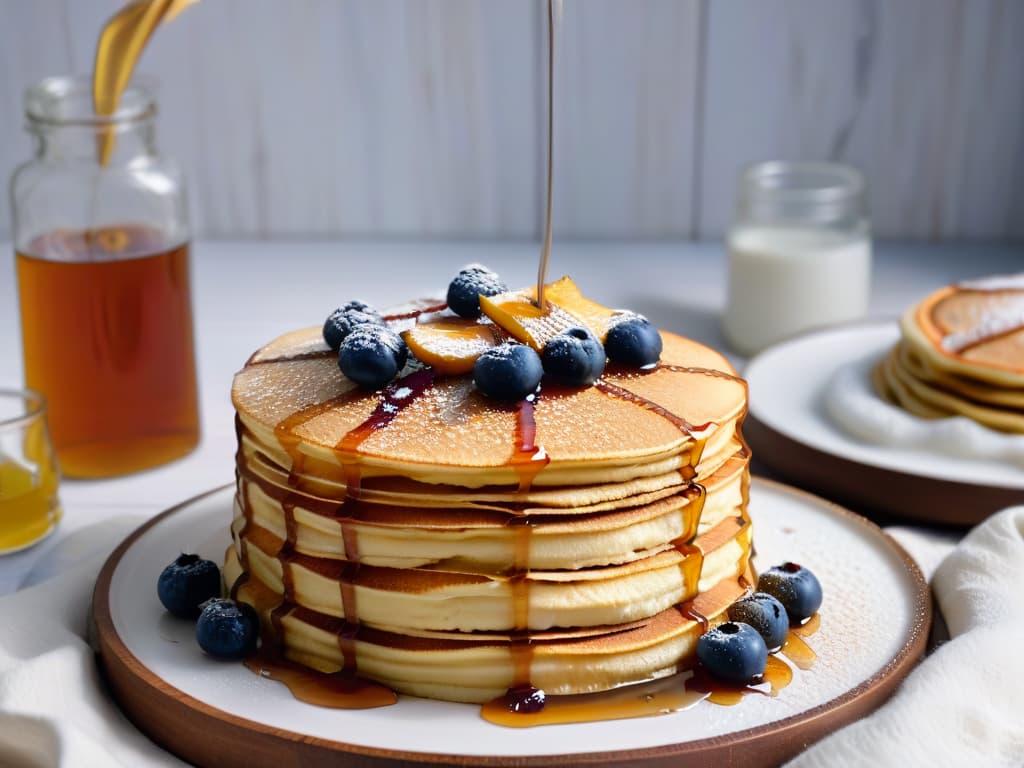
(452,547)
(961,352)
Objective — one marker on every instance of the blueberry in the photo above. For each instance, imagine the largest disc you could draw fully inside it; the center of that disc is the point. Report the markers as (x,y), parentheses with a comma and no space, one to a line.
(795,587)
(508,372)
(574,357)
(733,652)
(227,630)
(342,321)
(765,614)
(465,289)
(633,341)
(186,584)
(372,355)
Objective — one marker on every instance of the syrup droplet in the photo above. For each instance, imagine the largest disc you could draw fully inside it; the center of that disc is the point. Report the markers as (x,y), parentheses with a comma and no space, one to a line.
(524,699)
(528,459)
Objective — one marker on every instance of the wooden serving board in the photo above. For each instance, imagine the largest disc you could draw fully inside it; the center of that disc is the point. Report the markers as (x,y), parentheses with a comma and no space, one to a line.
(220,714)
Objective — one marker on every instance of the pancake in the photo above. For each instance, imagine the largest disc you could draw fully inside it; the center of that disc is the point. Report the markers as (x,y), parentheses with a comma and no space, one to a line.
(479,667)
(447,545)
(924,398)
(486,540)
(406,599)
(970,389)
(973,329)
(961,353)
(298,410)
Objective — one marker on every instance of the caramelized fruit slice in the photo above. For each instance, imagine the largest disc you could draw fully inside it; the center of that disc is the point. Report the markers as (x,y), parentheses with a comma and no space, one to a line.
(451,345)
(566,294)
(517,314)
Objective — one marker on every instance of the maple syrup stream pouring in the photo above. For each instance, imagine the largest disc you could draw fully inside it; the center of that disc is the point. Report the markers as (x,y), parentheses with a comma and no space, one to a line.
(120,44)
(422,501)
(554,18)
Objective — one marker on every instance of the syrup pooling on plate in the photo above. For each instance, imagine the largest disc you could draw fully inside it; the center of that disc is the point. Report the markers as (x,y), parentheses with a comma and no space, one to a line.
(658,697)
(777,675)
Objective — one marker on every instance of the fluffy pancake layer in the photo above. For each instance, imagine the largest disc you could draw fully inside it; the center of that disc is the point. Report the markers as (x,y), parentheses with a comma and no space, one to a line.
(478,667)
(602,568)
(424,536)
(962,353)
(300,411)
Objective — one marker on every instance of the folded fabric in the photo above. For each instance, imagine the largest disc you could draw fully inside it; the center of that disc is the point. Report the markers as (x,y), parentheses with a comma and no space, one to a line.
(963,705)
(54,709)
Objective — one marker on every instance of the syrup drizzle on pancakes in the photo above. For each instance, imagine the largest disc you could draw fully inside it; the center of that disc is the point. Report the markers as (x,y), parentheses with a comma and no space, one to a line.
(527,457)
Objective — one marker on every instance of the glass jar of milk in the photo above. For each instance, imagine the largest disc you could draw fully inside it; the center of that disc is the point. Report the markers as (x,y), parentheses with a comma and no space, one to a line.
(799,252)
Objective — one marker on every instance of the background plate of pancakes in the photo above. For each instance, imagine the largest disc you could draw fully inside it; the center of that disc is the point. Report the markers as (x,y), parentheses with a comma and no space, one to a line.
(874,626)
(790,431)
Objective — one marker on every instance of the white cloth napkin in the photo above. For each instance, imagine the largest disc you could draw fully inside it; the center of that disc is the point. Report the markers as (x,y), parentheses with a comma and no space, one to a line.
(964,705)
(54,708)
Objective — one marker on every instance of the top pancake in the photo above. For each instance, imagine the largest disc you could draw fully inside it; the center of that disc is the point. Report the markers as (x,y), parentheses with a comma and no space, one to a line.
(973,329)
(297,407)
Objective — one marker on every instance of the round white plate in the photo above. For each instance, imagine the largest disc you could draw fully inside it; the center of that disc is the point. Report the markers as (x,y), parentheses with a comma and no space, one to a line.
(787,387)
(873,621)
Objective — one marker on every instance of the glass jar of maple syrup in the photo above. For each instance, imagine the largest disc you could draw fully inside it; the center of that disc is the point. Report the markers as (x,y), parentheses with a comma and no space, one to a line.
(101,231)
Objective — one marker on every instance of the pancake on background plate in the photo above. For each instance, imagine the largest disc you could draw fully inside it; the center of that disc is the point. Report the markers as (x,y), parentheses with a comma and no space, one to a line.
(961,353)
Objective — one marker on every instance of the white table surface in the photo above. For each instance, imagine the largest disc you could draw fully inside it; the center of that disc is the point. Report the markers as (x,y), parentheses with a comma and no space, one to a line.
(245,293)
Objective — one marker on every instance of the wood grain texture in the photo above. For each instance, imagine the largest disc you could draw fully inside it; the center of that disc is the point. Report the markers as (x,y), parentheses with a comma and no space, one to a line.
(626,94)
(925,96)
(331,118)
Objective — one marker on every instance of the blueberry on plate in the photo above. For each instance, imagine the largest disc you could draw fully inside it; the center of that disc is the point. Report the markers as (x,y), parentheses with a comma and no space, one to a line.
(508,372)
(465,289)
(342,321)
(227,630)
(633,341)
(733,652)
(186,584)
(372,355)
(795,587)
(765,614)
(574,357)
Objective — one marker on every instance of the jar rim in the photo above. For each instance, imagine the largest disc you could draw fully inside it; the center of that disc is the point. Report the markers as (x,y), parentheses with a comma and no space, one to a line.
(33,405)
(67,100)
(792,180)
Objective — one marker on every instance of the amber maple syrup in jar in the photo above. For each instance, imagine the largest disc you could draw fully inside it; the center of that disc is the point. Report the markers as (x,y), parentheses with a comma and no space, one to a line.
(102,242)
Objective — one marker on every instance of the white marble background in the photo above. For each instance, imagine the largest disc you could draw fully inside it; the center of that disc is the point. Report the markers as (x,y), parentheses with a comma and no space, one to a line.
(413,118)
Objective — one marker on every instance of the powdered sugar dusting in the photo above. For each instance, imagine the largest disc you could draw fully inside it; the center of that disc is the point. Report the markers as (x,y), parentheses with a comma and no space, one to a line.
(995,283)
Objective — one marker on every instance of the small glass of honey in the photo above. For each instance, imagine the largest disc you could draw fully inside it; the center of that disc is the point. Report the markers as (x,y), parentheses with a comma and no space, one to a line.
(29,506)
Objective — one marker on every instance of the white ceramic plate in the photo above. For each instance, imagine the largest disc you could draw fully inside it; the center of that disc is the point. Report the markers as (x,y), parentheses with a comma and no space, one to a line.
(873,617)
(787,386)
